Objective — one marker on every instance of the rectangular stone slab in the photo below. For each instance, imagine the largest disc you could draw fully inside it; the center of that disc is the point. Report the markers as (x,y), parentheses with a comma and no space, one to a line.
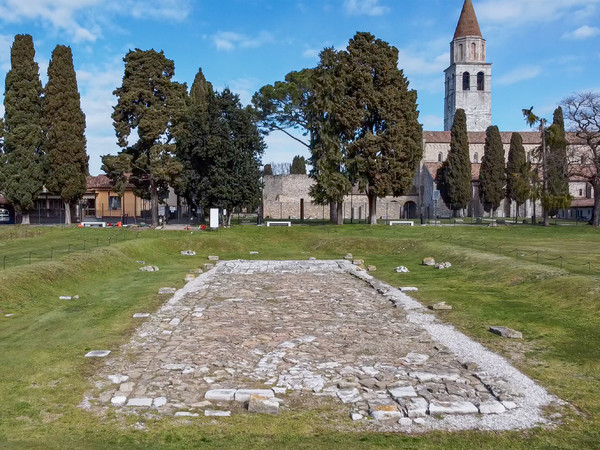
(243,395)
(507,332)
(223,395)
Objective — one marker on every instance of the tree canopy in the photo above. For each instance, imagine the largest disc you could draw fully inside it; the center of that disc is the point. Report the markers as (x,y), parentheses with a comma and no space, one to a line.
(298,165)
(557,193)
(492,177)
(22,169)
(518,174)
(454,176)
(64,125)
(150,103)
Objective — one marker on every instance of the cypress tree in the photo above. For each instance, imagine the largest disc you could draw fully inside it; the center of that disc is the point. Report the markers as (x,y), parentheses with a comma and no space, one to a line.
(64,125)
(380,120)
(557,194)
(492,177)
(152,104)
(454,176)
(22,166)
(192,140)
(298,166)
(518,174)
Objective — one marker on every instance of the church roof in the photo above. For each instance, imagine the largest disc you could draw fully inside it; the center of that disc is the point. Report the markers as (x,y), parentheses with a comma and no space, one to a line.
(478,137)
(467,24)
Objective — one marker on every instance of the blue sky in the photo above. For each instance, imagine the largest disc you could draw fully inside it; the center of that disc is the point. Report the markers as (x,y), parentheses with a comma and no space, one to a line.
(541,50)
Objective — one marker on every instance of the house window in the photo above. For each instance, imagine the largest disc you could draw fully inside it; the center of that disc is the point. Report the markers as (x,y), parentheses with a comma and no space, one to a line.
(466,81)
(476,158)
(581,192)
(480,81)
(440,157)
(114,202)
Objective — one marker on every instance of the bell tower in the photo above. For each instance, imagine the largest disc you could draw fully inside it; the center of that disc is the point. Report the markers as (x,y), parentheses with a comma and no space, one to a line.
(469,77)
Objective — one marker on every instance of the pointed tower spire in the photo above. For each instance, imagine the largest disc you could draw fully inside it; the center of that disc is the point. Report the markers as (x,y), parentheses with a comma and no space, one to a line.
(467,24)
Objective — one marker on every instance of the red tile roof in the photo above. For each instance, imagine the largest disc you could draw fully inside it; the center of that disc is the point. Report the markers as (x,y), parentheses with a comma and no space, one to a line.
(467,24)
(478,137)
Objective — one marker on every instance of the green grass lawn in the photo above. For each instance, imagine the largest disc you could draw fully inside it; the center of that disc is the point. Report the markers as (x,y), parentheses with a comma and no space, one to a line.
(496,279)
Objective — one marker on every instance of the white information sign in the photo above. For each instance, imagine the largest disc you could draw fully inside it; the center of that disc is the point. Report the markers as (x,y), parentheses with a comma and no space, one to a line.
(214,217)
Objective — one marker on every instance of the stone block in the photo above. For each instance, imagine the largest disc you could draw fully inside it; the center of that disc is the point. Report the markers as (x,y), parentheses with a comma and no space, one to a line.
(348,257)
(356,416)
(402,269)
(167,290)
(159,401)
(409,289)
(186,414)
(208,266)
(144,401)
(429,261)
(243,395)
(358,262)
(507,332)
(141,315)
(402,392)
(189,277)
(371,268)
(118,400)
(196,271)
(405,422)
(385,412)
(417,407)
(443,408)
(149,269)
(223,395)
(97,354)
(491,407)
(263,405)
(188,253)
(217,413)
(213,258)
(442,306)
(118,379)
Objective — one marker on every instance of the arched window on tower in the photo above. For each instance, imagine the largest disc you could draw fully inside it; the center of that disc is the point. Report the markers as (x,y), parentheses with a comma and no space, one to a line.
(476,158)
(461,52)
(440,157)
(473,52)
(466,81)
(480,81)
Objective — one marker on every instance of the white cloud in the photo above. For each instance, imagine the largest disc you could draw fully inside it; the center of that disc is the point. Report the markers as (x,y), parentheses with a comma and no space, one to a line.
(365,8)
(80,19)
(419,64)
(311,53)
(230,40)
(523,73)
(96,84)
(584,32)
(519,12)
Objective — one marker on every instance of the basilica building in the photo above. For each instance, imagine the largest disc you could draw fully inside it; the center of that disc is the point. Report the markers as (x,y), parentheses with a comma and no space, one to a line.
(468,86)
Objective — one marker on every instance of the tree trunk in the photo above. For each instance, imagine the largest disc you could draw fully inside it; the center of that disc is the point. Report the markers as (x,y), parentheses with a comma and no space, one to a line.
(340,213)
(596,210)
(333,211)
(67,213)
(25,218)
(372,209)
(154,202)
(545,214)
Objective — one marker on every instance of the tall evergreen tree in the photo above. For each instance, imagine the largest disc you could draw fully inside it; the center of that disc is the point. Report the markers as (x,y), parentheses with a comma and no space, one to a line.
(298,166)
(193,138)
(492,177)
(233,150)
(64,125)
(328,151)
(518,176)
(380,121)
(150,103)
(22,170)
(454,176)
(557,194)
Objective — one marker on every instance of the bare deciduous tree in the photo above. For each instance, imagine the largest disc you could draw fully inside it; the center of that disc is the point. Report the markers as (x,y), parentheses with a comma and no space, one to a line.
(582,111)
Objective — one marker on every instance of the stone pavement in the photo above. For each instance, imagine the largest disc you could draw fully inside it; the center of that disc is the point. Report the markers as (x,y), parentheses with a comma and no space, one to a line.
(298,334)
